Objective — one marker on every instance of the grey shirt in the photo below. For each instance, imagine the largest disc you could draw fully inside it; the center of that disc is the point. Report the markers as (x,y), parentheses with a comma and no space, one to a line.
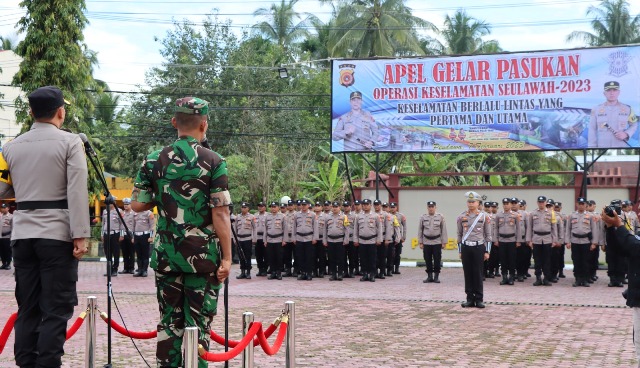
(48,164)
(6,223)
(432,229)
(144,222)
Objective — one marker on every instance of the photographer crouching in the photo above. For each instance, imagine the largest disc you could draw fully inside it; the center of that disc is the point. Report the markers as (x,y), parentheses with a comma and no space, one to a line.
(621,241)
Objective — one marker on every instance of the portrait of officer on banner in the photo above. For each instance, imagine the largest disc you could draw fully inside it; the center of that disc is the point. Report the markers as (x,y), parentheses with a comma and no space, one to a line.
(357,127)
(612,123)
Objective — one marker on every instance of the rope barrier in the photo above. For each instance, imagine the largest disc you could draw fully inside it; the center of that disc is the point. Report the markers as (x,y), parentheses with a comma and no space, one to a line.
(240,346)
(126,332)
(232,343)
(272,350)
(6,331)
(76,325)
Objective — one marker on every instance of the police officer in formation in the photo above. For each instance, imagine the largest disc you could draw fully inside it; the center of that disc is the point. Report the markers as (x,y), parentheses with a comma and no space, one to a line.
(594,254)
(335,238)
(492,265)
(352,259)
(126,245)
(474,245)
(289,248)
(557,207)
(275,236)
(387,232)
(261,246)
(246,229)
(143,235)
(542,234)
(399,222)
(303,229)
(524,251)
(6,224)
(432,238)
(508,231)
(556,249)
(113,236)
(368,236)
(581,236)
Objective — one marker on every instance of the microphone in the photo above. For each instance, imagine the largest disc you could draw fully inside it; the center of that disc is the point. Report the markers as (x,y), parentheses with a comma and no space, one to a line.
(87,146)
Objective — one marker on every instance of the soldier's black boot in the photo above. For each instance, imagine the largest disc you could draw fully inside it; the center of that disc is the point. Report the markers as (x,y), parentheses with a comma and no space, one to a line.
(396,270)
(242,275)
(429,276)
(436,277)
(505,280)
(538,281)
(248,275)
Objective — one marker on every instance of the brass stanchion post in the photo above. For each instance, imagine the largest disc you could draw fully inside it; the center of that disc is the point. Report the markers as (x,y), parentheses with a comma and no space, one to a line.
(247,354)
(90,328)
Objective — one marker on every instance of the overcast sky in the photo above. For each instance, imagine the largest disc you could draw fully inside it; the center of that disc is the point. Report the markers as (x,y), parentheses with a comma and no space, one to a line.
(123,31)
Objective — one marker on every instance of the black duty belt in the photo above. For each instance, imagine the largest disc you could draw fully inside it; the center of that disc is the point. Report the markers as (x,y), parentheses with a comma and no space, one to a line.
(507,235)
(542,233)
(241,236)
(42,205)
(260,233)
(274,236)
(431,237)
(304,234)
(367,237)
(580,236)
(336,236)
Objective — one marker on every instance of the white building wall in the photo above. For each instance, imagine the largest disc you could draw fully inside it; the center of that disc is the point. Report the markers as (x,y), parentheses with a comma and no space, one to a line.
(9,63)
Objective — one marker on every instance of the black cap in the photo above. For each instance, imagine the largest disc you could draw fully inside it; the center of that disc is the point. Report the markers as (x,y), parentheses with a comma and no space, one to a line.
(550,202)
(282,205)
(591,202)
(377,201)
(431,203)
(385,204)
(355,94)
(290,202)
(272,204)
(46,99)
(494,204)
(335,204)
(318,203)
(327,203)
(4,205)
(304,201)
(558,204)
(366,201)
(487,204)
(522,202)
(357,201)
(506,200)
(260,204)
(299,202)
(244,204)
(346,203)
(581,200)
(611,85)
(542,199)
(393,205)
(514,200)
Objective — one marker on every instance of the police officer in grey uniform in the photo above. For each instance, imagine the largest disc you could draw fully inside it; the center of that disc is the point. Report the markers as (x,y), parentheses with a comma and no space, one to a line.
(612,123)
(474,245)
(542,235)
(6,224)
(126,245)
(303,229)
(399,224)
(275,236)
(45,169)
(114,235)
(556,250)
(523,252)
(594,254)
(357,127)
(581,235)
(143,232)
(320,250)
(336,237)
(246,229)
(387,232)
(351,252)
(261,246)
(432,238)
(508,231)
(289,248)
(557,206)
(368,236)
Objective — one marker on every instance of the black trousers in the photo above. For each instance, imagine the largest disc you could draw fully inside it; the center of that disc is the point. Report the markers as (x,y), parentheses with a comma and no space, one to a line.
(494,259)
(321,258)
(46,277)
(353,256)
(141,246)
(305,257)
(114,249)
(274,253)
(397,254)
(542,259)
(615,264)
(507,252)
(287,256)
(432,254)
(245,248)
(523,259)
(368,254)
(562,252)
(472,266)
(336,258)
(391,255)
(580,258)
(261,255)
(5,251)
(594,257)
(381,258)
(128,253)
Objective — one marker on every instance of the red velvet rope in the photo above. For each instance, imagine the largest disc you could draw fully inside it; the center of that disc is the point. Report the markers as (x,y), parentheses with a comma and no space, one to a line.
(133,334)
(76,325)
(272,350)
(6,331)
(240,346)
(232,343)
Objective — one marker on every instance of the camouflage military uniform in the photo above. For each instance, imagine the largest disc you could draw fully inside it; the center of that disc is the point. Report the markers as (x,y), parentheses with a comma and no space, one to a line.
(184,180)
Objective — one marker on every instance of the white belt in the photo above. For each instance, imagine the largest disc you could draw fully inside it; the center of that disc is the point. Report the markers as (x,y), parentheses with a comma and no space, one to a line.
(142,232)
(472,243)
(113,232)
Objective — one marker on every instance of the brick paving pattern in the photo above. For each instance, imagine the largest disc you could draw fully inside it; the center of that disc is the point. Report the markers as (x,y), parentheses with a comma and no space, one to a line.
(397,322)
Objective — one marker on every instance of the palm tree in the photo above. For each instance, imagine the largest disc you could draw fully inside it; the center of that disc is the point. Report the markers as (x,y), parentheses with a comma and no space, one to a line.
(368,28)
(8,43)
(463,35)
(281,27)
(612,25)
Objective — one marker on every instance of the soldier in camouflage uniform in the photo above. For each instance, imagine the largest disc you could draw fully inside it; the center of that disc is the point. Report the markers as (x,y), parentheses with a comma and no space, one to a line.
(357,127)
(188,184)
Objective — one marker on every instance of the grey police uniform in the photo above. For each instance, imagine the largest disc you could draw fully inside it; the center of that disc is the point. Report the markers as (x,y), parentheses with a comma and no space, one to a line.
(523,252)
(247,236)
(48,171)
(303,228)
(432,233)
(368,234)
(275,236)
(581,232)
(320,251)
(261,247)
(144,225)
(336,237)
(508,231)
(127,247)
(352,265)
(387,236)
(112,231)
(542,232)
(472,250)
(289,248)
(365,130)
(6,224)
(607,119)
(399,234)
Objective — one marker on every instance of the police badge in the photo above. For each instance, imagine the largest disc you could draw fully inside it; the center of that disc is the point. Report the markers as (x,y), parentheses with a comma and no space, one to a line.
(346,74)
(618,63)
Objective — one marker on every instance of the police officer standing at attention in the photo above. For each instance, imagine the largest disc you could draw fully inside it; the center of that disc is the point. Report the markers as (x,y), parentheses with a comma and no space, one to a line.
(368,236)
(399,222)
(541,235)
(46,170)
(523,252)
(303,228)
(351,252)
(557,207)
(261,245)
(188,183)
(581,235)
(289,248)
(115,236)
(432,238)
(128,250)
(6,224)
(556,249)
(318,234)
(507,224)
(357,127)
(246,229)
(612,123)
(275,237)
(387,232)
(336,237)
(144,225)
(474,245)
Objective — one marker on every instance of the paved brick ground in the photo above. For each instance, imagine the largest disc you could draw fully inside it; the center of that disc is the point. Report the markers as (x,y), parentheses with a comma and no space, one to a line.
(398,322)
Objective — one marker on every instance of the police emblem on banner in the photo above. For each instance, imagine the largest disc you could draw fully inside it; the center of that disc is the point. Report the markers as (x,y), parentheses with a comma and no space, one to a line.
(618,63)
(346,74)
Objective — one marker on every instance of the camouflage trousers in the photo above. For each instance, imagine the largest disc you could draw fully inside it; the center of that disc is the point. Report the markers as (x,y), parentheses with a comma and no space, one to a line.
(185,300)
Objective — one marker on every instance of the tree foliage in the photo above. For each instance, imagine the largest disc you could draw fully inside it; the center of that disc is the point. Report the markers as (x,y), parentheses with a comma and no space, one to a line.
(612,25)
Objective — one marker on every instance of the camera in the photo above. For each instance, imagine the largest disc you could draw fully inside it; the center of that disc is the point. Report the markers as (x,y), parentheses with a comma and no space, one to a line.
(613,209)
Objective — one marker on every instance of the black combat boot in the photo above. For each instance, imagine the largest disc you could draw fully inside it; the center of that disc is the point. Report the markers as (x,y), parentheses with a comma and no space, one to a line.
(396,270)
(288,273)
(538,281)
(339,278)
(301,276)
(278,276)
(248,275)
(577,282)
(365,277)
(429,276)
(546,282)
(436,277)
(389,273)
(372,277)
(511,279)
(242,275)
(468,304)
(505,280)
(333,277)
(272,276)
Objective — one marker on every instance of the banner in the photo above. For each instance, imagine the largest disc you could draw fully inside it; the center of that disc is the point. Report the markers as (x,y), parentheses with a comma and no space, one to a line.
(548,100)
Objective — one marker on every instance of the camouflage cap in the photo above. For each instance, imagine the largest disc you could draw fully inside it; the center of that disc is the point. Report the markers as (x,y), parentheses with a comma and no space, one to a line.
(192,106)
